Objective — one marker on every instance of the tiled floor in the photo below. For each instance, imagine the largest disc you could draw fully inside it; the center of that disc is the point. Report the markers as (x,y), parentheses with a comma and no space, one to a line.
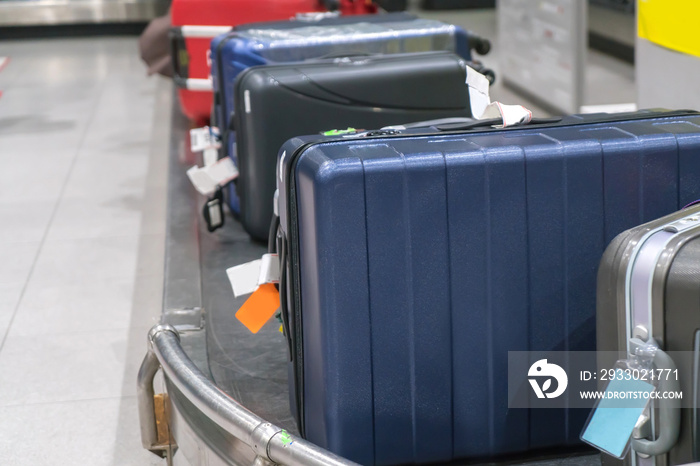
(83,141)
(83,146)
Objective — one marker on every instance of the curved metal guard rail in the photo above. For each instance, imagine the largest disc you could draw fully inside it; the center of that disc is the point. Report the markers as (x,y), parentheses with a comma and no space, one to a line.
(147,417)
(269,442)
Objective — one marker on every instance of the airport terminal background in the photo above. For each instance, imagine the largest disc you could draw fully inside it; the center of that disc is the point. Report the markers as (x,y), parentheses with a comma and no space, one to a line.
(84,137)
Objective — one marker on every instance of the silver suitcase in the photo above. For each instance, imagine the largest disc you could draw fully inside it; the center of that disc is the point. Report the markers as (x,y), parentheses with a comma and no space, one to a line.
(649,287)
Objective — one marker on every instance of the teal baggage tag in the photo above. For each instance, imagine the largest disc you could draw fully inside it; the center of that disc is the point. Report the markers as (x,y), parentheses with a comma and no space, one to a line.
(612,421)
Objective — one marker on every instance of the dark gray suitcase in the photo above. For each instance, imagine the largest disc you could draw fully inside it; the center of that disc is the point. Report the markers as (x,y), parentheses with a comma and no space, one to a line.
(649,287)
(277,102)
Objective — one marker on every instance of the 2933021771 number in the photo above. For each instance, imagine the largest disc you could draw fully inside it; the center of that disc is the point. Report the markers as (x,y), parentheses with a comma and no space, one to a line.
(638,374)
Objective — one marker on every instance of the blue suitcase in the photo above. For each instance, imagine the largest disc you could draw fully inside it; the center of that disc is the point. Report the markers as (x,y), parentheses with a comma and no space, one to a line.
(413,261)
(260,45)
(293,41)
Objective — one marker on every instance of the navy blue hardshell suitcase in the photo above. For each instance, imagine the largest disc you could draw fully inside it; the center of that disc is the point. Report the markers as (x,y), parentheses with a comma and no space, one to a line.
(413,262)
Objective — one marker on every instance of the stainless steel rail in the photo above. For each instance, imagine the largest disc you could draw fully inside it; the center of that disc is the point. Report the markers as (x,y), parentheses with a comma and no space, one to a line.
(270,443)
(55,12)
(147,419)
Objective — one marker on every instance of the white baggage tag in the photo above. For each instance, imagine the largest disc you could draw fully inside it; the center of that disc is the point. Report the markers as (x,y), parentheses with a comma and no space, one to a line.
(484,109)
(246,278)
(479,97)
(510,114)
(200,138)
(210,156)
(269,269)
(203,138)
(206,180)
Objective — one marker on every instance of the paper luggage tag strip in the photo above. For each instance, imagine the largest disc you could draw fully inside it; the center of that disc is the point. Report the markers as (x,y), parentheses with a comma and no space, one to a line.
(210,156)
(204,138)
(257,277)
(207,179)
(484,109)
(613,420)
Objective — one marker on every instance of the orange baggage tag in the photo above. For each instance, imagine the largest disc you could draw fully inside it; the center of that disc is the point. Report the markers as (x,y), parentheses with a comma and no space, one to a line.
(259,307)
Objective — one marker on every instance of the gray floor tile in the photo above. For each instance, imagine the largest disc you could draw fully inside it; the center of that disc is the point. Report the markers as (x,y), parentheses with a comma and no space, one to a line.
(69,262)
(52,150)
(108,176)
(94,218)
(39,177)
(13,70)
(16,261)
(95,433)
(76,121)
(66,100)
(101,363)
(84,307)
(9,299)
(24,221)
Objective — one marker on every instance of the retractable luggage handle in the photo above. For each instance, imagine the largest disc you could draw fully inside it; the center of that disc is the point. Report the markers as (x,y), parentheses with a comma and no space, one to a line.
(180,56)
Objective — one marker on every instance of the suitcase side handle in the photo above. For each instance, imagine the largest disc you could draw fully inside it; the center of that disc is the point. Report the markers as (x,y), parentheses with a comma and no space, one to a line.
(276,244)
(669,419)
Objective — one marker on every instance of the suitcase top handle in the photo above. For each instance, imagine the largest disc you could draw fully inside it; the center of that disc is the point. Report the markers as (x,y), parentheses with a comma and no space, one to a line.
(474,124)
(459,125)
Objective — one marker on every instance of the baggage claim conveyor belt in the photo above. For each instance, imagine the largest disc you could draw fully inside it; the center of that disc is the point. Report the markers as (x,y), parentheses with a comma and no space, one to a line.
(226,397)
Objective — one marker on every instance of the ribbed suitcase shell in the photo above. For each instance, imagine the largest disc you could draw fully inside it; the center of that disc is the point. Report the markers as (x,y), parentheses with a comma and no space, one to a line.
(419,261)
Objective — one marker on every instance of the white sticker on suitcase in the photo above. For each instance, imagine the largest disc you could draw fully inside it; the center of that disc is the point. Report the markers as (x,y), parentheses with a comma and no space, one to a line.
(246,101)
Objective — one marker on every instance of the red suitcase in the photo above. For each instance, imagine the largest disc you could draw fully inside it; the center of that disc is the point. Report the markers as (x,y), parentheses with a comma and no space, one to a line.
(195,22)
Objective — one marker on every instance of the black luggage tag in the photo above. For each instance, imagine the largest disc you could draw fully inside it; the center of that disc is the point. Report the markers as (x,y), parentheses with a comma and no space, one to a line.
(213,211)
